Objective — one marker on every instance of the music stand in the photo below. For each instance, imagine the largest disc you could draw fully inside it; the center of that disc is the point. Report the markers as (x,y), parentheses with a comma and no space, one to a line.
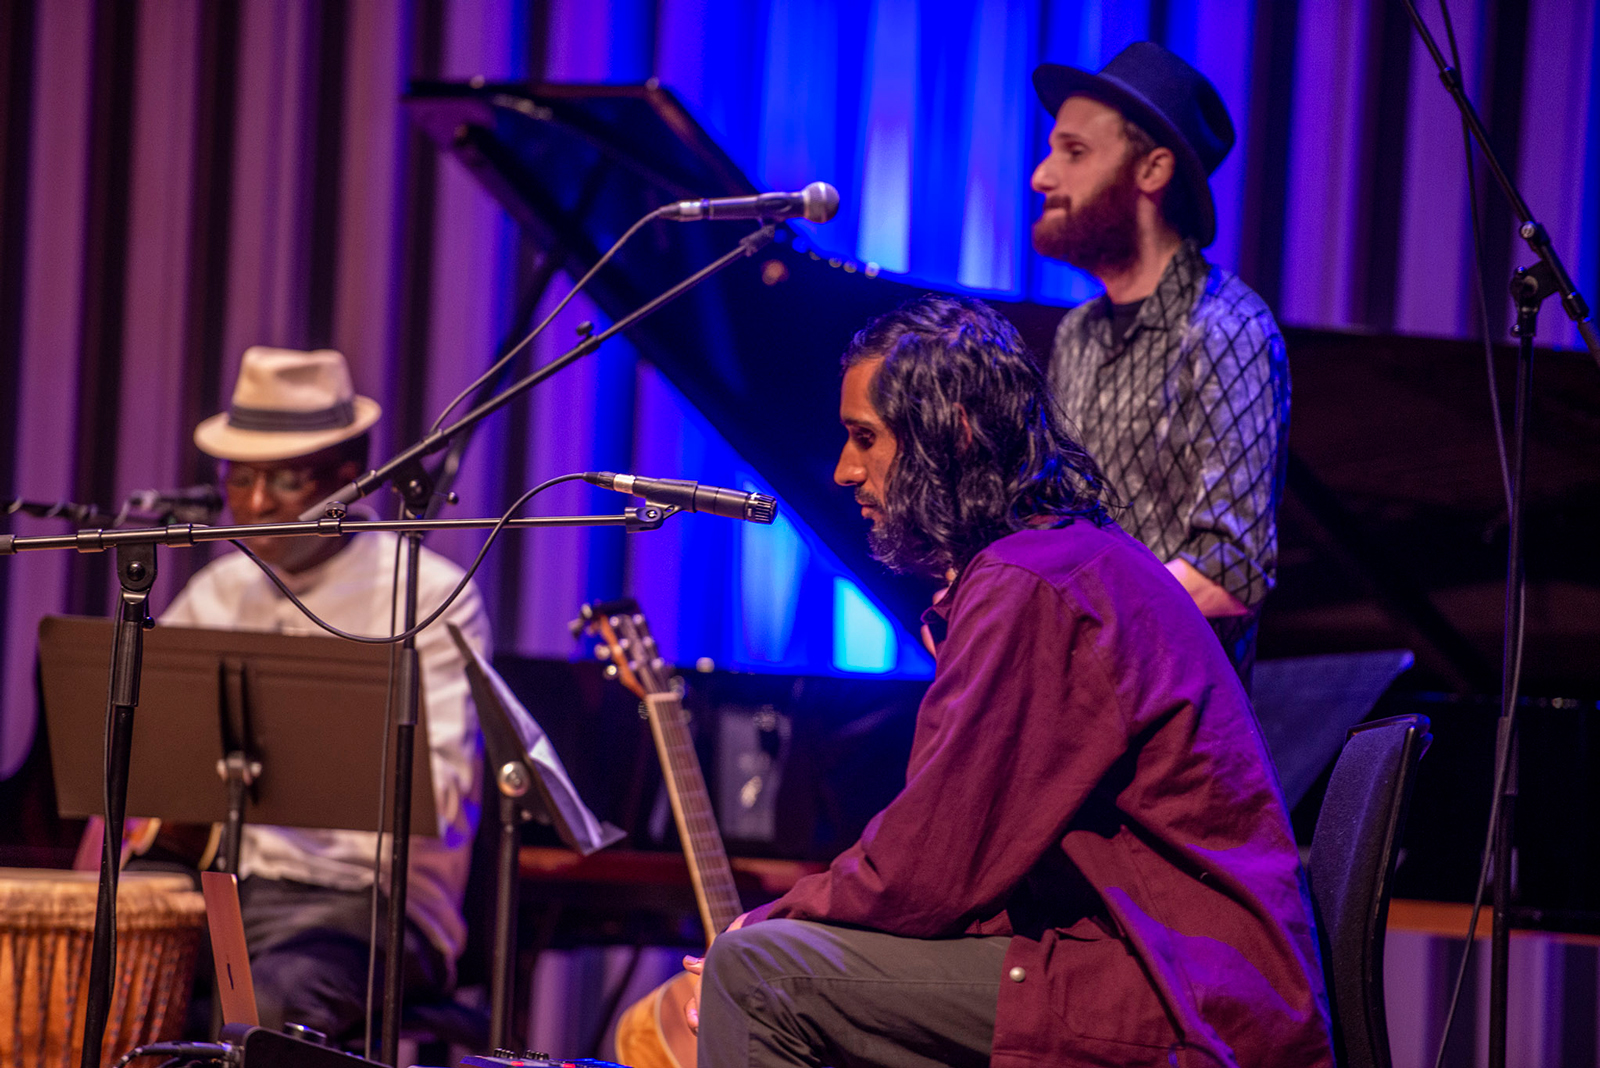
(1306,706)
(290,726)
(531,783)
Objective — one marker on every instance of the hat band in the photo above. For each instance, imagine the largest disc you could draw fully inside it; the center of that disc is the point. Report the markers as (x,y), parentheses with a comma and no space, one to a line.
(280,421)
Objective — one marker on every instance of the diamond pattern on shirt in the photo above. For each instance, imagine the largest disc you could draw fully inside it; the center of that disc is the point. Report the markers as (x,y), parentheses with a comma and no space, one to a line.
(1188,416)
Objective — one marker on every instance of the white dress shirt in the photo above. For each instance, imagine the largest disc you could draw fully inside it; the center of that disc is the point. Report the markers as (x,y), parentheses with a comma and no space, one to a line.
(351,590)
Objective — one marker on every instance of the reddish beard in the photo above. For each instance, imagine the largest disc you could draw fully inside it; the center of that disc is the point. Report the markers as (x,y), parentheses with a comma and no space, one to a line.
(1101,235)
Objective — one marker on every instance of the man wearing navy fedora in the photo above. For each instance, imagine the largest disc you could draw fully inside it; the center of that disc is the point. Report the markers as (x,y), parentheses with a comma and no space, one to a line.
(1175,378)
(295,432)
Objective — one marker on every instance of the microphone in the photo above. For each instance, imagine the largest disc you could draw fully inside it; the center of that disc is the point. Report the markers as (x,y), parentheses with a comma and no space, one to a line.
(192,504)
(817,202)
(690,496)
(80,514)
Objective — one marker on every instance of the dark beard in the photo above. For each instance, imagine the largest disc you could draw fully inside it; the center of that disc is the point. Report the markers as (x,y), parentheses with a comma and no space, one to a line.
(1101,236)
(896,542)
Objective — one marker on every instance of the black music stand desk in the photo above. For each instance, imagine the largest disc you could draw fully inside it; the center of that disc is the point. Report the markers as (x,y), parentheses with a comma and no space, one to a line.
(296,721)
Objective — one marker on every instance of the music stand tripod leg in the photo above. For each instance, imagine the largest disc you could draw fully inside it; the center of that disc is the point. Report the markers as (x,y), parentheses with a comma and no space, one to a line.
(505,925)
(136,571)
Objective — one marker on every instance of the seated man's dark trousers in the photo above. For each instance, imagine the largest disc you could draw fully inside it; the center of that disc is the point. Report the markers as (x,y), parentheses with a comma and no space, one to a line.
(791,992)
(308,955)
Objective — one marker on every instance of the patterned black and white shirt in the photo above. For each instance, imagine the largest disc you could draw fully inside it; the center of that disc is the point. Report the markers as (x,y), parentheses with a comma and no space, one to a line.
(1188,416)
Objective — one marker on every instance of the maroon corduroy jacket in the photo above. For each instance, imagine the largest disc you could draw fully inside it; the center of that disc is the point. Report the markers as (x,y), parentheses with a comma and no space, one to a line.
(1088,777)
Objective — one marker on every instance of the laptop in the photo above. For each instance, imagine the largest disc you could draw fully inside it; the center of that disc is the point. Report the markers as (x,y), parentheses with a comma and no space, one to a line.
(235,991)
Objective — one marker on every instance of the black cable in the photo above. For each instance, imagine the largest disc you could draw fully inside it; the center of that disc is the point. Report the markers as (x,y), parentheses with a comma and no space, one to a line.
(210,1051)
(536,331)
(432,617)
(1477,274)
(1514,681)
(393,639)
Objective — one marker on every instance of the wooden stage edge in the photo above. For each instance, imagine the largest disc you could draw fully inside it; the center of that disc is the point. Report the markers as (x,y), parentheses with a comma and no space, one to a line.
(773,877)
(1449,919)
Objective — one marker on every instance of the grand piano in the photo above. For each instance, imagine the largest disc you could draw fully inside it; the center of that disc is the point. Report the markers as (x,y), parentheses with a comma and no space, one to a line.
(1392,531)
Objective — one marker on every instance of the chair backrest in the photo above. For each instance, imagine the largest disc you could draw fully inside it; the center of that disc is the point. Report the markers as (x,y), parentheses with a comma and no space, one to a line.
(1353,855)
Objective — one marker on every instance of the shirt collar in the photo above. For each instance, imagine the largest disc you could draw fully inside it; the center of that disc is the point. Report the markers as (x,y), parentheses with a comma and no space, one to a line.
(1164,309)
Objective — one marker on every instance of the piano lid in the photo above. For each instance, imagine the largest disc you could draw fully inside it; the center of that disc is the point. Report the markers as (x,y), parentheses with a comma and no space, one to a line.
(756,348)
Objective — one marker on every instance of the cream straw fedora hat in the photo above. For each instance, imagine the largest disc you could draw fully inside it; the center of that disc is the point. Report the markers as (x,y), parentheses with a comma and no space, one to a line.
(287,403)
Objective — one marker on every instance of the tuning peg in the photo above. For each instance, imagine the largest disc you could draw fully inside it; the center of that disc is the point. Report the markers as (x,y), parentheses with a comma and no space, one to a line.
(602,652)
(585,617)
(611,671)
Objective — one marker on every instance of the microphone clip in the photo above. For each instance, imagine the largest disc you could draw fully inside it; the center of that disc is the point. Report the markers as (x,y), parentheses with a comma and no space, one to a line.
(648,516)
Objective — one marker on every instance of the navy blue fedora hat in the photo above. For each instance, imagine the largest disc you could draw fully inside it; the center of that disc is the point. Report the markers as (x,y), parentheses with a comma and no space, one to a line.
(1173,102)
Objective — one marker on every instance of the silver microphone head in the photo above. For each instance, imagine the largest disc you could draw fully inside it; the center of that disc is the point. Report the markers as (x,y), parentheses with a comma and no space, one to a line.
(821,201)
(761,508)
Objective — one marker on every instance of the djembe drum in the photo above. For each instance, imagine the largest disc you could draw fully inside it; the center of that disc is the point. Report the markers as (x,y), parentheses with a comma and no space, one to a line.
(46,930)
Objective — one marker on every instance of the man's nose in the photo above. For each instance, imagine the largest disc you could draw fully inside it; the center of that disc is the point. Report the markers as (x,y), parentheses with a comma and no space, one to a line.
(1042,181)
(848,471)
(261,498)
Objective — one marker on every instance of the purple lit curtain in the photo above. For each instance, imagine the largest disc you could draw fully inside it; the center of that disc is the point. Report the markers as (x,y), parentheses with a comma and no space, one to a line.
(184,178)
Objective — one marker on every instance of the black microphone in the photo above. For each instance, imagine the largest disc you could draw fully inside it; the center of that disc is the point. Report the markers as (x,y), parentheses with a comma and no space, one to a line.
(690,496)
(80,514)
(192,504)
(817,202)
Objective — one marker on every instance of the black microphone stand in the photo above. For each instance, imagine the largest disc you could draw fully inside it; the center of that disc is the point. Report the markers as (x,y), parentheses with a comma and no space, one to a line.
(415,486)
(135,550)
(1529,287)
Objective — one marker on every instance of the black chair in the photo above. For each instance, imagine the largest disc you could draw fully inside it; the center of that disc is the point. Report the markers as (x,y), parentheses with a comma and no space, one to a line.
(1353,855)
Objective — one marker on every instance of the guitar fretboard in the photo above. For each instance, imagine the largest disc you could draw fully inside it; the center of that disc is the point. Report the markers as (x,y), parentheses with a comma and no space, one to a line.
(715,893)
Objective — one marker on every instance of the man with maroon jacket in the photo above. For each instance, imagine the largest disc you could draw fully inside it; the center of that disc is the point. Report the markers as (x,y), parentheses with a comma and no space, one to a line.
(1090,862)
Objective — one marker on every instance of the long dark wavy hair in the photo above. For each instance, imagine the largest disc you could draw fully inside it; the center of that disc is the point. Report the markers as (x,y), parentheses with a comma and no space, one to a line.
(948,496)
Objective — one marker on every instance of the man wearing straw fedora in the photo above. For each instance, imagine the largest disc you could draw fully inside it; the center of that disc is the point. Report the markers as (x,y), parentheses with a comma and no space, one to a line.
(1175,378)
(294,433)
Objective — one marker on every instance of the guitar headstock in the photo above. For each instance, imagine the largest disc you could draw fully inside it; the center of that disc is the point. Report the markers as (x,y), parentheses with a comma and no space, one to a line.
(626,641)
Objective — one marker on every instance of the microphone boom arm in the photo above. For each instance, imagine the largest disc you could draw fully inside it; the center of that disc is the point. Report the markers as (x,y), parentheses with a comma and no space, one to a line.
(748,246)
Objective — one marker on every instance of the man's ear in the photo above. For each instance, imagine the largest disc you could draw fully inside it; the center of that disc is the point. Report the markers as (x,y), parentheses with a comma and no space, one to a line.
(1155,171)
